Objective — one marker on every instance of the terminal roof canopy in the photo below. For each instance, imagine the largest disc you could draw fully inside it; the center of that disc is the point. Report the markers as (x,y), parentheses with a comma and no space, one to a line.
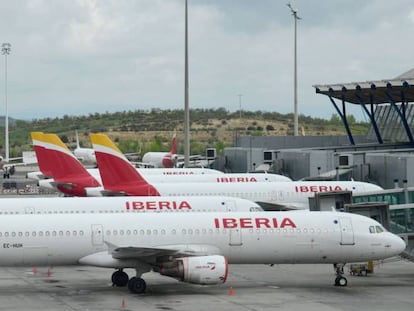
(391,121)
(400,89)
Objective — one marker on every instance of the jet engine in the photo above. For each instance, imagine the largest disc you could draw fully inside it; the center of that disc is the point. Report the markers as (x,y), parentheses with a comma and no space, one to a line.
(206,270)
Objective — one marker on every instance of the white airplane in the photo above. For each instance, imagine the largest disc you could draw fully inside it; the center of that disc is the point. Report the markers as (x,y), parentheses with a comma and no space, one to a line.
(49,146)
(193,248)
(8,166)
(106,142)
(85,155)
(119,177)
(162,159)
(76,205)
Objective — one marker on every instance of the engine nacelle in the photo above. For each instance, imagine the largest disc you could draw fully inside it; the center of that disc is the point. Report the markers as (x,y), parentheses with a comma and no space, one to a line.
(197,270)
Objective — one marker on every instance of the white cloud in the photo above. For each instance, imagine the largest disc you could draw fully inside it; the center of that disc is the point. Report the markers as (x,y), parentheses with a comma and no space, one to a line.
(71,57)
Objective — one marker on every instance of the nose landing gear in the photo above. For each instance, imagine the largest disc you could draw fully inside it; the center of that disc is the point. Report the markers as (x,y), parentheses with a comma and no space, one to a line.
(340,280)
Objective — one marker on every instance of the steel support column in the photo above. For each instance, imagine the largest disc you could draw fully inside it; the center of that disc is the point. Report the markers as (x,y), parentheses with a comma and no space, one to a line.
(343,117)
(402,115)
(371,116)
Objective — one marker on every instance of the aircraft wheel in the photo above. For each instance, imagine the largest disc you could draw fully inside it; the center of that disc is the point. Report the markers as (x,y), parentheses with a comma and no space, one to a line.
(341,281)
(137,285)
(120,278)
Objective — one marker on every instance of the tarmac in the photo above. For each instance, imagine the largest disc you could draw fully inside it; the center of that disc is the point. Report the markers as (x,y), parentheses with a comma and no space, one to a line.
(249,287)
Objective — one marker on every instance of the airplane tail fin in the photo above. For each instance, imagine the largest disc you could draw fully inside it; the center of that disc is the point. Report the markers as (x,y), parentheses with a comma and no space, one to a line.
(42,155)
(70,175)
(117,173)
(173,149)
(77,139)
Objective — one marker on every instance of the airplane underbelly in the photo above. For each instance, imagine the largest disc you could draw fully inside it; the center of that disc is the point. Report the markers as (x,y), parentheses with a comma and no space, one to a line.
(35,256)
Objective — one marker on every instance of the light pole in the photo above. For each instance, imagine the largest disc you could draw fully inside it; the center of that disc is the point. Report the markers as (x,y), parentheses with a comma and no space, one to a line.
(240,107)
(295,77)
(186,104)
(5,49)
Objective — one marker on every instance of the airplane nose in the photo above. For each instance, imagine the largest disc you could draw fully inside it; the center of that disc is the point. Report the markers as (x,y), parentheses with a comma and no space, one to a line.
(402,245)
(398,245)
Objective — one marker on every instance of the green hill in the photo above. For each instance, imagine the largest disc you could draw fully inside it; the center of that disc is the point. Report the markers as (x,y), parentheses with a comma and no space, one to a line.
(143,130)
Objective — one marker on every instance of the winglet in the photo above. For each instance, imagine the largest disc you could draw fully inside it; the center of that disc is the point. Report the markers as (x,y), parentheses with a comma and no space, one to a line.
(117,173)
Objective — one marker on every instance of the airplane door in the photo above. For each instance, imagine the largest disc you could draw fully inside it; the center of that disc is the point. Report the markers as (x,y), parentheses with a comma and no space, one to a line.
(97,235)
(235,237)
(347,232)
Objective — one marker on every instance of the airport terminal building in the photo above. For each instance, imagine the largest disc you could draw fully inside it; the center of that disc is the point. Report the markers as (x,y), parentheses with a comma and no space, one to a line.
(385,156)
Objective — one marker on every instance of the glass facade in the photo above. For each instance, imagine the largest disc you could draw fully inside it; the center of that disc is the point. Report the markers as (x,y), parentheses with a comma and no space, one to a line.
(401,218)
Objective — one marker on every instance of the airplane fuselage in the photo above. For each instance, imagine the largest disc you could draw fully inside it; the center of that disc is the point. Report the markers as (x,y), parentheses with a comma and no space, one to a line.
(289,194)
(114,205)
(243,238)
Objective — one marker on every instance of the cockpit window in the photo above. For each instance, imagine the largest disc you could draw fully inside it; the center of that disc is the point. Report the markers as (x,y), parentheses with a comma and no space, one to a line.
(376,229)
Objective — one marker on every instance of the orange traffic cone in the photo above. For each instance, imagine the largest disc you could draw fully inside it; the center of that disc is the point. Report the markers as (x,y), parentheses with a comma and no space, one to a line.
(123,304)
(231,292)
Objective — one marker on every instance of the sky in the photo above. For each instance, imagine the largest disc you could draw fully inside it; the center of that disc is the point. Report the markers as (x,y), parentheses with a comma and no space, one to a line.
(83,56)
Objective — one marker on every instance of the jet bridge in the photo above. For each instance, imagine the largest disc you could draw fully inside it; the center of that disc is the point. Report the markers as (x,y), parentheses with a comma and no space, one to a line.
(388,104)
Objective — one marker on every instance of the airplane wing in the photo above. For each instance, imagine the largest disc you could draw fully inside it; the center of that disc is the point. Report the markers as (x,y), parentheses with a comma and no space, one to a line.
(131,256)
(282,206)
(148,254)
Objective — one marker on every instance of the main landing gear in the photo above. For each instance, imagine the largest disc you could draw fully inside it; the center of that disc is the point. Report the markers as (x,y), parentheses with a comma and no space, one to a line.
(135,285)
(119,278)
(340,280)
